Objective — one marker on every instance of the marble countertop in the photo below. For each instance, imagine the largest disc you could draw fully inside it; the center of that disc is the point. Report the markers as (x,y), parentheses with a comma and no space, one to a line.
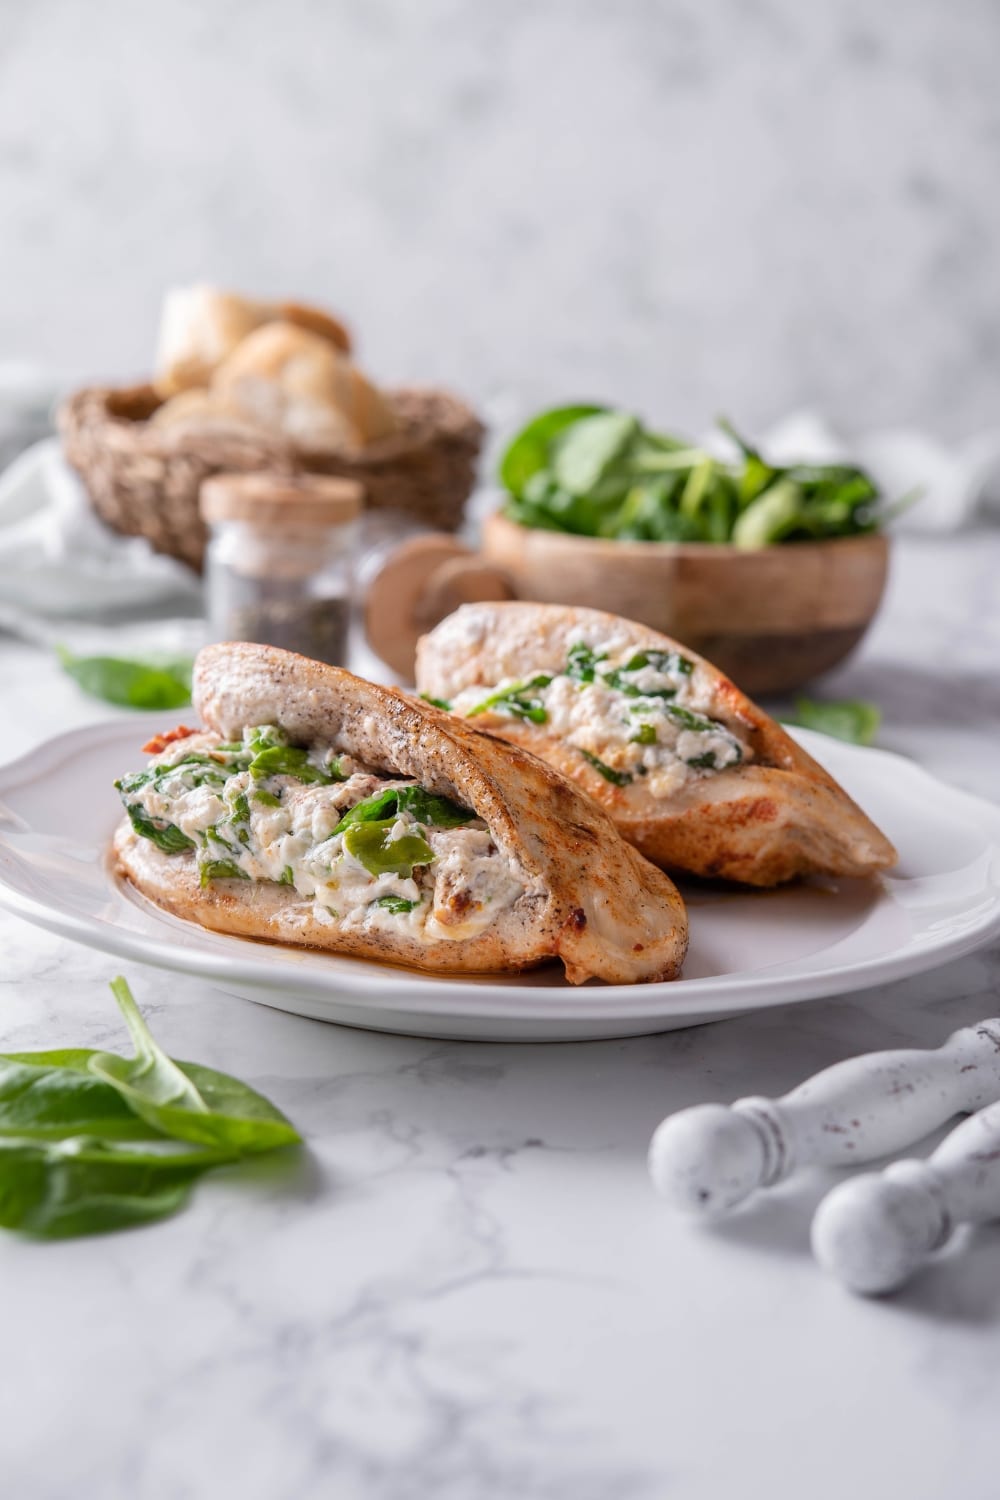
(469,1291)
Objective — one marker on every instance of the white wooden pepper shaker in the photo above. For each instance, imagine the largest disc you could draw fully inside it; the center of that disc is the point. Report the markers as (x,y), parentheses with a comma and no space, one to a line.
(707,1159)
(875,1230)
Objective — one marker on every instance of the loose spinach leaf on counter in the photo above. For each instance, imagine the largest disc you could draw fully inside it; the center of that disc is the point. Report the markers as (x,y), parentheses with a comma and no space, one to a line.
(599,472)
(51,1095)
(156,683)
(83,1185)
(850,719)
(91,1142)
(185,1100)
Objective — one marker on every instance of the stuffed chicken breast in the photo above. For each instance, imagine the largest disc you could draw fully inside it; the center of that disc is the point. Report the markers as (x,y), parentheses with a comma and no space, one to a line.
(318,809)
(692,772)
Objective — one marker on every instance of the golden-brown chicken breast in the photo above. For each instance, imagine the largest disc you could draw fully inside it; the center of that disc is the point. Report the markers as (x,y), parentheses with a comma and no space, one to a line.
(319,809)
(692,772)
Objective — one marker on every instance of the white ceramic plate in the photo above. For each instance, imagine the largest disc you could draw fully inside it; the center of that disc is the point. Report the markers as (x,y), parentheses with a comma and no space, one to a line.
(749,949)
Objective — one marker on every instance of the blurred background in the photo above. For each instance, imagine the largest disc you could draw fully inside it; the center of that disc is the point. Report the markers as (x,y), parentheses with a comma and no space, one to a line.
(747,206)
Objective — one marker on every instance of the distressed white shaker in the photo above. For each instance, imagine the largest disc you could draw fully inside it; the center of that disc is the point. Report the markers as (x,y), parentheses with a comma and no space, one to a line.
(707,1159)
(875,1230)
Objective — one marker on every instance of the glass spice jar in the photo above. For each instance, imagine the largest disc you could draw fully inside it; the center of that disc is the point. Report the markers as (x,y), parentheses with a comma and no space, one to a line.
(279,563)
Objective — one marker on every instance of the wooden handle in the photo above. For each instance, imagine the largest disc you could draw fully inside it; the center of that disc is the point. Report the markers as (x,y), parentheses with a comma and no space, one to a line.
(708,1159)
(874,1231)
(415,586)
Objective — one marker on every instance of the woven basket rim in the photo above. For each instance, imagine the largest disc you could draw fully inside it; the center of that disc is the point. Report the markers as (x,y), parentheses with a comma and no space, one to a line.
(426,414)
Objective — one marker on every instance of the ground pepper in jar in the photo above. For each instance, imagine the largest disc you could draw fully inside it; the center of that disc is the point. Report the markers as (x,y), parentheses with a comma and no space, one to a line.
(279,563)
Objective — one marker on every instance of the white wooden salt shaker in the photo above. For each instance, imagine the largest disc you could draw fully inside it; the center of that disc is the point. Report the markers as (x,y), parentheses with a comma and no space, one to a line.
(707,1159)
(874,1231)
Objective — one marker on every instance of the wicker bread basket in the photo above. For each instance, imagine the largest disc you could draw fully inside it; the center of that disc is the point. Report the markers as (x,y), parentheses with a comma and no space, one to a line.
(144,481)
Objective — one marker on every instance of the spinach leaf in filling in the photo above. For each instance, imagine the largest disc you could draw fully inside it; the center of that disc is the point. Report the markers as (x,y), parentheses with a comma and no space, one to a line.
(371,845)
(396,904)
(165,836)
(287,760)
(617,778)
(426,807)
(220,869)
(520,701)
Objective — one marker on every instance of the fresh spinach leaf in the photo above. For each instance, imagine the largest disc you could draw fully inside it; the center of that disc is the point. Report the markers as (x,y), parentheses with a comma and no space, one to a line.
(372,845)
(91,1142)
(775,514)
(186,1101)
(529,451)
(850,719)
(600,473)
(82,1185)
(50,1095)
(583,454)
(164,683)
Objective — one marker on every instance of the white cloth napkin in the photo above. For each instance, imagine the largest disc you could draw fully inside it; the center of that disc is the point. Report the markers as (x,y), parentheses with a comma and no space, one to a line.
(58,561)
(955,486)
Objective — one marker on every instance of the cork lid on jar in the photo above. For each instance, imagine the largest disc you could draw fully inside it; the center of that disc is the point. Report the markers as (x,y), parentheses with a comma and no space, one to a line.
(281,499)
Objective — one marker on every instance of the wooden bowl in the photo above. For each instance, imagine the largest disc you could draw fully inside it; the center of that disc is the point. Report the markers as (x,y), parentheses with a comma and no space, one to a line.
(771,619)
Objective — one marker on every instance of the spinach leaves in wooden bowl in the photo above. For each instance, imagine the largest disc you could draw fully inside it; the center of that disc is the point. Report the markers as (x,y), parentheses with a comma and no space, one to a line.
(595,471)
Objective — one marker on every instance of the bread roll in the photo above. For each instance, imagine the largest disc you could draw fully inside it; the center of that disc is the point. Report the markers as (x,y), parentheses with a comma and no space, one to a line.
(199,410)
(287,379)
(201,325)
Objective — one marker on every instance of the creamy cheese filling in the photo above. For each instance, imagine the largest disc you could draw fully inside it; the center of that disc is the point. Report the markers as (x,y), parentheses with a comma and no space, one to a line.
(630,714)
(365,851)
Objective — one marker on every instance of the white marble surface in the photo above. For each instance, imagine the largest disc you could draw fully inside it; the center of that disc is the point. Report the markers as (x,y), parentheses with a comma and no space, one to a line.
(690,207)
(469,1291)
